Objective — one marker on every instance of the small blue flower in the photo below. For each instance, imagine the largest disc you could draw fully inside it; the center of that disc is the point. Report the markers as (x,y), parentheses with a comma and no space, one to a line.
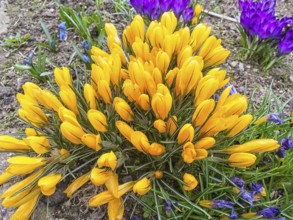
(62,35)
(62,26)
(31,55)
(169,205)
(275,117)
(85,45)
(52,44)
(135,217)
(233,214)
(86,58)
(233,90)
(270,212)
(27,62)
(282,218)
(238,182)
(217,97)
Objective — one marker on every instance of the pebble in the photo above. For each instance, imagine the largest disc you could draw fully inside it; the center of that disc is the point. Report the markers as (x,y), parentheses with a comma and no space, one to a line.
(291,78)
(234,63)
(241,67)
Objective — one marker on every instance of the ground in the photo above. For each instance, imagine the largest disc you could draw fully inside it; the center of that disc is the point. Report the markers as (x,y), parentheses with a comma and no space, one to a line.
(23,17)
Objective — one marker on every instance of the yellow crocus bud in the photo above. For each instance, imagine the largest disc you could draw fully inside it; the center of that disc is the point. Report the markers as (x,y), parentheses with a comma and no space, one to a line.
(107,160)
(33,112)
(197,10)
(199,35)
(140,141)
(5,177)
(8,143)
(210,44)
(255,146)
(169,44)
(98,74)
(64,113)
(186,134)
(220,75)
(240,124)
(25,210)
(98,120)
(124,129)
(172,125)
(98,52)
(202,112)
(190,182)
(157,75)
(159,174)
(92,141)
(72,130)
(185,53)
(201,154)
(162,103)
(131,90)
(241,160)
(76,184)
(48,183)
(104,91)
(90,96)
(188,153)
(123,109)
(63,77)
(40,144)
(136,73)
(24,164)
(156,149)
(116,69)
(144,102)
(142,186)
(162,61)
(160,125)
(100,176)
(68,97)
(205,143)
(65,153)
(155,34)
(169,20)
(205,89)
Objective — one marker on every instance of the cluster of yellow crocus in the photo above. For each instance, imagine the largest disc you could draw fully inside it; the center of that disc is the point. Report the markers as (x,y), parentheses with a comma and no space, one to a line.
(153,95)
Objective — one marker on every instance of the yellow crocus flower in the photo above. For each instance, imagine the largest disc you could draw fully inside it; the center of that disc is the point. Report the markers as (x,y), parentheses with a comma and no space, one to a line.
(188,153)
(241,160)
(156,149)
(199,35)
(64,113)
(124,129)
(202,112)
(140,141)
(142,186)
(160,125)
(24,164)
(144,102)
(169,20)
(185,134)
(131,90)
(241,123)
(104,91)
(255,146)
(190,181)
(162,61)
(123,109)
(107,160)
(205,143)
(100,176)
(72,130)
(172,125)
(161,102)
(8,143)
(92,141)
(90,96)
(5,177)
(40,144)
(68,97)
(48,183)
(116,209)
(76,184)
(98,120)
(63,77)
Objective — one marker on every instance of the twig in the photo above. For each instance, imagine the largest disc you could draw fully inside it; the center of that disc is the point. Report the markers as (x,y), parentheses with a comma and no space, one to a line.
(221,16)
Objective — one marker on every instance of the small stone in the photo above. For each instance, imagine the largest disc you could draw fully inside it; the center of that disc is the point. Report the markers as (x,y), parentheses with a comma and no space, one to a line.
(241,67)
(234,63)
(20,81)
(291,78)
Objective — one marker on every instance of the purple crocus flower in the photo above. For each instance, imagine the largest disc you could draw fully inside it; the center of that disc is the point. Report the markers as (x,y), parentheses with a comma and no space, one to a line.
(281,153)
(275,117)
(256,188)
(248,197)
(166,5)
(187,14)
(220,204)
(179,7)
(285,46)
(138,5)
(287,143)
(270,212)
(238,182)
